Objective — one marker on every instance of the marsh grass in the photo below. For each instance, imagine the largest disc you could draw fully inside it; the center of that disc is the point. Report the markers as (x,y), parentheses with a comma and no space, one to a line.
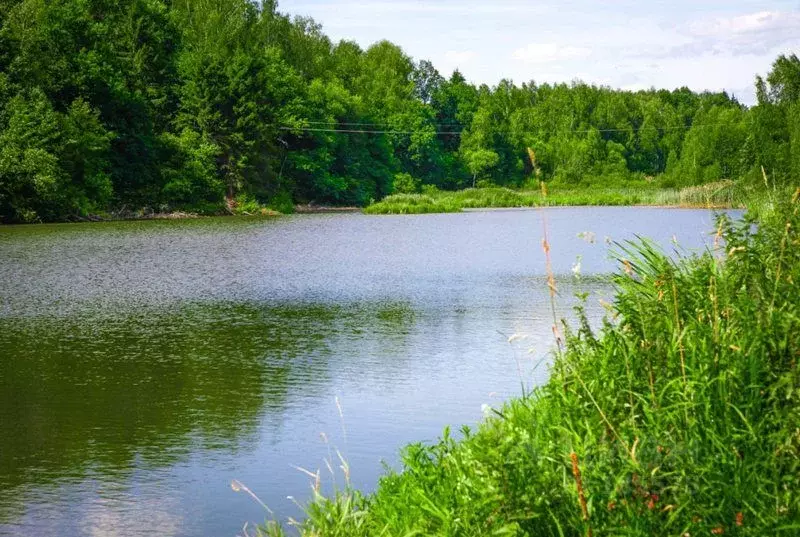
(681,416)
(722,194)
(497,197)
(412,204)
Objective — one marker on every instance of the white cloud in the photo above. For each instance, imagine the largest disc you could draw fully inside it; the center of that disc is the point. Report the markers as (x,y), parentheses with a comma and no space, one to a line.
(549,52)
(632,44)
(750,33)
(454,7)
(453,60)
(459,57)
(743,24)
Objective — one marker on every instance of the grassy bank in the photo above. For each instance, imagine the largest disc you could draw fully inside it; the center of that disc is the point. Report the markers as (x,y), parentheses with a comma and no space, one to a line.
(721,194)
(680,417)
(242,206)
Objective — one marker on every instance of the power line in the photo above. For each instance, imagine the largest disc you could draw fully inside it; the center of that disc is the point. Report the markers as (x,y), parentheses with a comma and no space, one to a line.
(360,131)
(459,133)
(385,124)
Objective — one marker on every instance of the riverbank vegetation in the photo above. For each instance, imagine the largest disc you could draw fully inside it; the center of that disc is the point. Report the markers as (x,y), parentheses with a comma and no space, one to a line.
(719,194)
(156,107)
(680,416)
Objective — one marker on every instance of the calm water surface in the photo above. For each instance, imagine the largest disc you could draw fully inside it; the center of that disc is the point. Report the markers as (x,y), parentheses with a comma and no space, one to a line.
(145,365)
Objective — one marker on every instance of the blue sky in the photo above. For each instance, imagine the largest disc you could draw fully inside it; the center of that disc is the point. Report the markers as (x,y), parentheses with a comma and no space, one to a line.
(627,44)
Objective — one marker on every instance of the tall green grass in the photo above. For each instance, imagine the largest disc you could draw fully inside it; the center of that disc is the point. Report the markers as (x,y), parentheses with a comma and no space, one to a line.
(681,416)
(754,196)
(497,197)
(412,204)
(713,195)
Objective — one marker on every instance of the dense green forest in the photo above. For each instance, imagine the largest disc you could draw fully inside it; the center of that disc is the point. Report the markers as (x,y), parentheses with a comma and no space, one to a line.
(202,104)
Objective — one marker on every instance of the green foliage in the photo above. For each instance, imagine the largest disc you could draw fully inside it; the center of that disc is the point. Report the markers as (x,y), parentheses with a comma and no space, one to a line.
(248,205)
(714,148)
(189,171)
(282,203)
(479,161)
(681,416)
(404,183)
(143,103)
(413,204)
(711,195)
(52,165)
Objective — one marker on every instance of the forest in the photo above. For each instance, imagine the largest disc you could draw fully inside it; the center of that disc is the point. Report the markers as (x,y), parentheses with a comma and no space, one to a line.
(208,105)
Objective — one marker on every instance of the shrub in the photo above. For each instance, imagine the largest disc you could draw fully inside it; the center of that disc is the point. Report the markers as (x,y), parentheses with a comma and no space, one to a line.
(404,183)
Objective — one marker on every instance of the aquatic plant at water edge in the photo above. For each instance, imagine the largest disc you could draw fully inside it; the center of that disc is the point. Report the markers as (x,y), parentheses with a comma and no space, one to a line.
(681,416)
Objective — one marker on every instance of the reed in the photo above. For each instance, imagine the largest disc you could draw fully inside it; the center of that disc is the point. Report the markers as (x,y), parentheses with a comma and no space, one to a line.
(722,194)
(680,416)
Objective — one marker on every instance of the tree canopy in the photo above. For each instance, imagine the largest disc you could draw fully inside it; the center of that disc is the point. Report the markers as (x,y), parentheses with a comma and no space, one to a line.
(192,104)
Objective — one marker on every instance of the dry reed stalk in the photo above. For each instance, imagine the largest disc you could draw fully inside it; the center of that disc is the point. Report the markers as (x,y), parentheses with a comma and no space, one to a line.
(341,420)
(576,473)
(532,156)
(238,486)
(551,284)
(551,279)
(313,475)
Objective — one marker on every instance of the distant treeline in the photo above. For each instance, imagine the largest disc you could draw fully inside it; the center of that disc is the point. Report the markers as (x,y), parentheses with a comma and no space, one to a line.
(192,104)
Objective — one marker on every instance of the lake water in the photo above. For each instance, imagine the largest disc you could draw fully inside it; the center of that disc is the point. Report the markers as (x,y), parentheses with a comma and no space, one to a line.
(146,365)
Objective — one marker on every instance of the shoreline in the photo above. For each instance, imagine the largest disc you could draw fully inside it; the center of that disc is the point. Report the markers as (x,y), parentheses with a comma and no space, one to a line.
(324,209)
(636,205)
(306,210)
(697,434)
